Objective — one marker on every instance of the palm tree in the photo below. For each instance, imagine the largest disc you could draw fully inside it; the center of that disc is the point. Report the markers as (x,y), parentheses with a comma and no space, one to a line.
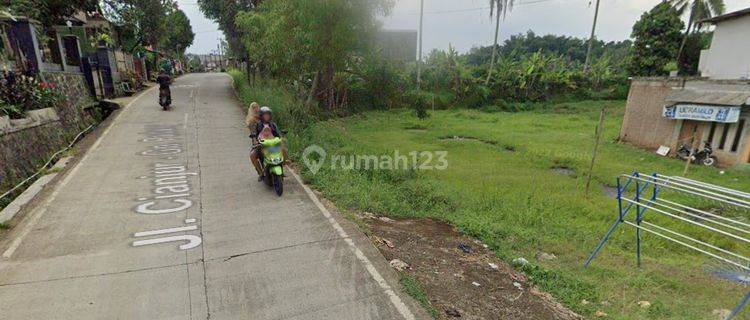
(699,10)
(497,7)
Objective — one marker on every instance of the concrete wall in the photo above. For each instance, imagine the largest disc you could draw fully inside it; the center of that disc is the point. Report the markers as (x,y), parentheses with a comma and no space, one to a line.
(643,124)
(728,56)
(25,144)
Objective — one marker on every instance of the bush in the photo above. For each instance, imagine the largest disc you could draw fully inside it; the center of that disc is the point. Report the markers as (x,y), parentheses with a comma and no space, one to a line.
(21,93)
(377,84)
(419,100)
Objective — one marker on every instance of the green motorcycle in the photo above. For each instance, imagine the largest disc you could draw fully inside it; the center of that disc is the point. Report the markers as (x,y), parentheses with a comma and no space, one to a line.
(273,164)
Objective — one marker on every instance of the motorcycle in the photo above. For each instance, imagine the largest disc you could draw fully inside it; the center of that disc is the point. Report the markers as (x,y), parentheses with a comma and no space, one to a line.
(704,156)
(164,98)
(272,164)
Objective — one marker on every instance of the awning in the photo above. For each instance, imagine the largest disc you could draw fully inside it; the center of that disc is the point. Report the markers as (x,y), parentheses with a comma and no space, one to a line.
(709,97)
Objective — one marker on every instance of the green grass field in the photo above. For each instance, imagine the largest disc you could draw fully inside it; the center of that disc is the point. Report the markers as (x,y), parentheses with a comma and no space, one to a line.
(499,188)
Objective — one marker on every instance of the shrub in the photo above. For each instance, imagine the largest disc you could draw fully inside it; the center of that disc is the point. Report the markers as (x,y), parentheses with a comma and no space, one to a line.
(419,101)
(23,93)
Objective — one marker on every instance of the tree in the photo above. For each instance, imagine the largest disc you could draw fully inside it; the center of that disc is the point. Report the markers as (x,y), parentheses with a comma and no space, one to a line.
(657,35)
(224,13)
(696,42)
(49,12)
(497,7)
(302,39)
(699,10)
(142,22)
(179,34)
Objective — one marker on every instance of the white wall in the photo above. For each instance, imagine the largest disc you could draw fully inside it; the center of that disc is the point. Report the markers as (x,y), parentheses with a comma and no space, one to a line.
(729,55)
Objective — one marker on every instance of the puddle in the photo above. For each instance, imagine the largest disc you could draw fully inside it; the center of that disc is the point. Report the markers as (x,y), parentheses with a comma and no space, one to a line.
(564,171)
(609,192)
(467,138)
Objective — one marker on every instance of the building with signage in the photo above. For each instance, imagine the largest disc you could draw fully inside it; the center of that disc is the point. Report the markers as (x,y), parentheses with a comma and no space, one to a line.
(714,108)
(676,112)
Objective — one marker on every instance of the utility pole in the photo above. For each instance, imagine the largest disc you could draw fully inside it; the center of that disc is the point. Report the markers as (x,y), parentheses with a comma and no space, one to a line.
(591,39)
(419,54)
(218,48)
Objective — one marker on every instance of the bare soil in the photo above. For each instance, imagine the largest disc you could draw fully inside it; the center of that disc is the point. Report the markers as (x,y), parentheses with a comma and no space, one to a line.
(456,274)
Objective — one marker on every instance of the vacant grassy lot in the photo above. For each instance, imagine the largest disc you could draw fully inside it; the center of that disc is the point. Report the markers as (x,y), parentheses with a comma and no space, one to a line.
(499,188)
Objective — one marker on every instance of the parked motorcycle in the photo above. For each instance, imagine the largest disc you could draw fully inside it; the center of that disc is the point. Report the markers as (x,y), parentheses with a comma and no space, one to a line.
(704,156)
(164,98)
(273,164)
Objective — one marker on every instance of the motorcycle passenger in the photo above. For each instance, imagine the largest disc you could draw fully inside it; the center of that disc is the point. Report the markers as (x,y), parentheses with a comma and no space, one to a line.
(163,79)
(264,129)
(253,116)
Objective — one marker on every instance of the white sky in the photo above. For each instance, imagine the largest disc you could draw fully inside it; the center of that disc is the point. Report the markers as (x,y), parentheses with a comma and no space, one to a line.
(446,24)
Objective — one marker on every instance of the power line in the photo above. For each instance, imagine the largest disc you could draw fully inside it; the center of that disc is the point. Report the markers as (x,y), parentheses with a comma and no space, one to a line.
(475,9)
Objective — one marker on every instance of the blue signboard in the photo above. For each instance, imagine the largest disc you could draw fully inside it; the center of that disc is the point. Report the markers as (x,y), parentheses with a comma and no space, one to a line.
(725,114)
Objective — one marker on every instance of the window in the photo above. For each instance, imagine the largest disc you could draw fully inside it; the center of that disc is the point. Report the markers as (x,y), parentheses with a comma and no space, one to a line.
(724,134)
(738,135)
(49,49)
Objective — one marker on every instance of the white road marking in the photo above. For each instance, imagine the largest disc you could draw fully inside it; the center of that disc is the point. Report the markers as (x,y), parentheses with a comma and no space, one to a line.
(395,299)
(193,241)
(39,213)
(164,231)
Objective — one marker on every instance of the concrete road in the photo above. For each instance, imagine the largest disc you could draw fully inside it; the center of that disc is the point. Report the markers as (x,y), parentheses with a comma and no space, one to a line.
(163,219)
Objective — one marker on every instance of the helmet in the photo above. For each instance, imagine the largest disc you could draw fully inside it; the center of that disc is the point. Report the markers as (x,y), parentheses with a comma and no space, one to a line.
(264,110)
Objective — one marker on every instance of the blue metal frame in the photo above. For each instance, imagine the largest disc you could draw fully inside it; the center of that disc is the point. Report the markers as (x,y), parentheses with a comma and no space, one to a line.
(640,187)
(740,306)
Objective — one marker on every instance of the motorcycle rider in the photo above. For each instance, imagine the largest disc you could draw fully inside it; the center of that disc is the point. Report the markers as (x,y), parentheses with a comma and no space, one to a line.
(264,129)
(163,79)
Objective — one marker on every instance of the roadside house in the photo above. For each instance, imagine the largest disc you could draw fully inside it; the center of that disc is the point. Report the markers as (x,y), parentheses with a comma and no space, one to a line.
(713,109)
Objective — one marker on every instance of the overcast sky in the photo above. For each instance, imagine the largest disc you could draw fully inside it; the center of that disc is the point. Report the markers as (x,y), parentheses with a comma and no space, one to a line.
(466,23)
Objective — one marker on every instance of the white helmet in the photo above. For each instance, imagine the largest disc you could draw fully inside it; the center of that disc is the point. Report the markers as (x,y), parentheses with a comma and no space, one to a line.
(264,110)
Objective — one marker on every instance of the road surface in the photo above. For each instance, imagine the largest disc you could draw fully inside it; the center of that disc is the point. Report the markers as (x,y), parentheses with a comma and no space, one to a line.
(163,219)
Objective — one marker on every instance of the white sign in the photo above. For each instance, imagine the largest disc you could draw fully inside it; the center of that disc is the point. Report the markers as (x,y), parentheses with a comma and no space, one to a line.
(663,151)
(703,113)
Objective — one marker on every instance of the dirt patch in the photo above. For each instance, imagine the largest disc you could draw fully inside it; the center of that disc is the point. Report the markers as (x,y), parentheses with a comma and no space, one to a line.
(567,171)
(461,276)
(467,138)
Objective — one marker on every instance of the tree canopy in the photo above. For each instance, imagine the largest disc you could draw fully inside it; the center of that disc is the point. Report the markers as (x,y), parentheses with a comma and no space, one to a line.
(179,35)
(48,12)
(657,36)
(316,38)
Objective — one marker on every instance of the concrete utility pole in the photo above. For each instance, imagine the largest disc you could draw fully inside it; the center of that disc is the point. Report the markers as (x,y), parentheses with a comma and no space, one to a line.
(218,48)
(591,39)
(419,54)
